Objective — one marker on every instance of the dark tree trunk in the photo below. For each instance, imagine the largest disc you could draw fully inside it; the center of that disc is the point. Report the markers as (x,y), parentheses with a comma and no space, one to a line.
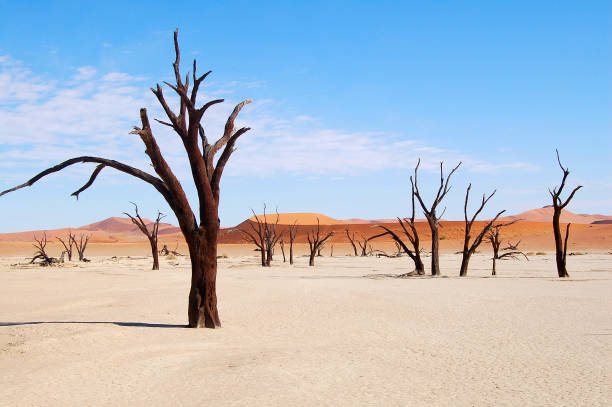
(493,271)
(560,250)
(291,252)
(263,257)
(465,261)
(282,246)
(202,310)
(435,243)
(311,260)
(268,255)
(155,254)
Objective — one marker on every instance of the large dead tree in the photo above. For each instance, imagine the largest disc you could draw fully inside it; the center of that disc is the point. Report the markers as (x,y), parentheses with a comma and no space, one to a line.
(81,245)
(200,229)
(316,241)
(68,244)
(470,246)
(511,251)
(150,234)
(292,234)
(412,235)
(558,206)
(431,215)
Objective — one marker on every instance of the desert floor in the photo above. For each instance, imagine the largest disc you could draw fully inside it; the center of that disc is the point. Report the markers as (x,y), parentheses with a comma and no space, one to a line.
(110,333)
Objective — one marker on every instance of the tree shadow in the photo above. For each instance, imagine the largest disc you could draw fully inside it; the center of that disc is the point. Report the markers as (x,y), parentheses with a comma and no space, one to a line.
(118,323)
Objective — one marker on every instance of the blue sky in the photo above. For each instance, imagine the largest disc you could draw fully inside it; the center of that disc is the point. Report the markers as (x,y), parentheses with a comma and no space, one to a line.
(347,96)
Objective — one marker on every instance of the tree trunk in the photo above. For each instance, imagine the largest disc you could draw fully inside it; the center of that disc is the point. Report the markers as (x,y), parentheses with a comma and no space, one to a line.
(202,309)
(291,252)
(493,272)
(561,269)
(419,267)
(312,257)
(435,255)
(155,254)
(268,255)
(465,260)
(263,257)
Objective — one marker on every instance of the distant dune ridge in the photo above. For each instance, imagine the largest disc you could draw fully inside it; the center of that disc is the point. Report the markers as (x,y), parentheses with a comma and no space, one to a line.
(534,230)
(545,214)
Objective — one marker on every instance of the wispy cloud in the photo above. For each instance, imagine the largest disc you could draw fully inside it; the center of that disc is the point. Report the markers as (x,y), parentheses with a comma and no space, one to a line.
(45,121)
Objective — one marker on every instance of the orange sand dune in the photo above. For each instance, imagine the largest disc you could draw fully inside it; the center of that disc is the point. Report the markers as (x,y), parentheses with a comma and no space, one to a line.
(545,214)
(303,218)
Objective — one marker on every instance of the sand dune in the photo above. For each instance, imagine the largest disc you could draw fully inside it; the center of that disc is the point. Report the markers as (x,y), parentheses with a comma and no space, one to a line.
(545,214)
(301,218)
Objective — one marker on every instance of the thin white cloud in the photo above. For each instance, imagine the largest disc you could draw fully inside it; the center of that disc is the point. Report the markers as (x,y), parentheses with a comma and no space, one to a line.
(84,73)
(45,121)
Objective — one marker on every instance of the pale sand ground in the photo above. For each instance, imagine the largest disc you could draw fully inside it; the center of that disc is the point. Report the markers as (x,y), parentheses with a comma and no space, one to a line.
(106,334)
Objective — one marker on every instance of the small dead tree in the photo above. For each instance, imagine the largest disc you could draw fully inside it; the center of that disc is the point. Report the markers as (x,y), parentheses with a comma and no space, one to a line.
(150,234)
(351,239)
(81,245)
(200,228)
(431,215)
(412,235)
(292,234)
(257,236)
(166,252)
(469,249)
(264,235)
(271,237)
(365,246)
(41,252)
(316,241)
(558,206)
(68,244)
(511,251)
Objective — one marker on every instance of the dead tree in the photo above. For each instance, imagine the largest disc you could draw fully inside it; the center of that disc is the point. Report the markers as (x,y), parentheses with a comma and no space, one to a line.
(365,246)
(68,245)
(264,236)
(165,251)
(80,246)
(351,239)
(292,234)
(558,206)
(316,241)
(412,235)
(431,215)
(150,234)
(470,247)
(271,237)
(201,231)
(509,252)
(493,237)
(256,235)
(41,252)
